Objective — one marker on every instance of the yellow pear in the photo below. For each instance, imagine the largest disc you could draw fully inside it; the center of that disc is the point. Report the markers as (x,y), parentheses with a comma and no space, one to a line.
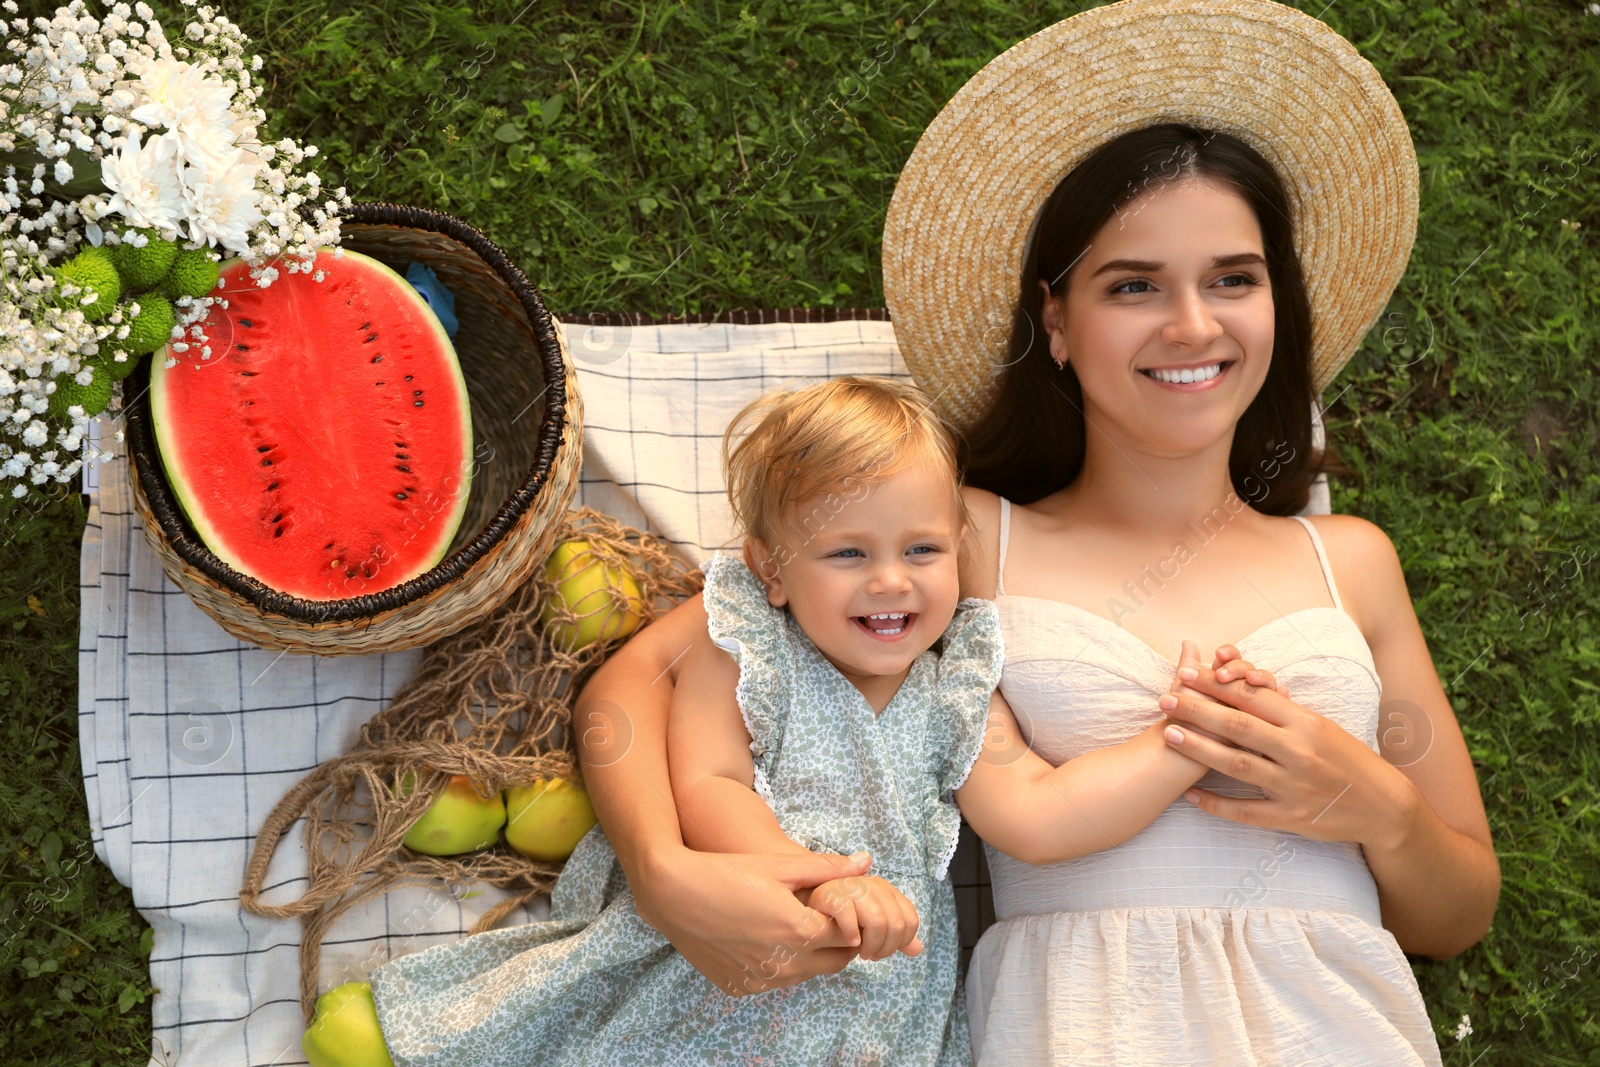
(345,1031)
(548,818)
(458,820)
(606,599)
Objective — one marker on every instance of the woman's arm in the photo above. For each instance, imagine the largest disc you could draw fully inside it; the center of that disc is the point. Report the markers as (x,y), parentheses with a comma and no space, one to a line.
(1041,814)
(735,918)
(621,722)
(708,757)
(1434,862)
(1414,807)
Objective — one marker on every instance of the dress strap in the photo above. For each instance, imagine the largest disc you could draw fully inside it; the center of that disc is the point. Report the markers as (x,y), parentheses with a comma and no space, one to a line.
(1322,557)
(1005,539)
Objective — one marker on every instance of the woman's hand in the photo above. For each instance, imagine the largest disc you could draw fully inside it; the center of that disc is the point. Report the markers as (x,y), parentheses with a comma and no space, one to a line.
(1319,781)
(736,918)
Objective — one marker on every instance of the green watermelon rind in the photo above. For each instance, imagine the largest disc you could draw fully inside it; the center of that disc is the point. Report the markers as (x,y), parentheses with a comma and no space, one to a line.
(191,506)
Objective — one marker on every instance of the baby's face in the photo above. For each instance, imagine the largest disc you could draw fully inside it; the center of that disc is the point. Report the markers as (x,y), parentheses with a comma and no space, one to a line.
(889,549)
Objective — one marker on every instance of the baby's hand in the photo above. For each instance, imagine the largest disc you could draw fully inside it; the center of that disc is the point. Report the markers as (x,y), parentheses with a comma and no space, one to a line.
(871,913)
(1230,664)
(1239,667)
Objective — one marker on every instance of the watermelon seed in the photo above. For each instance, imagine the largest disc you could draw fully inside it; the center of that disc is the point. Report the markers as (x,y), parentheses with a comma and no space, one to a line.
(399,496)
(278,517)
(247,373)
(408,377)
(242,348)
(365,326)
(377,359)
(416,392)
(246,323)
(398,467)
(278,532)
(263,448)
(350,574)
(270,488)
(416,403)
(266,463)
(328,545)
(371,337)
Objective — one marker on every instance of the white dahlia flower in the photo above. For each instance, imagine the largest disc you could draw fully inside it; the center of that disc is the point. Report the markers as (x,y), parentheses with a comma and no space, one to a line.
(143,179)
(221,201)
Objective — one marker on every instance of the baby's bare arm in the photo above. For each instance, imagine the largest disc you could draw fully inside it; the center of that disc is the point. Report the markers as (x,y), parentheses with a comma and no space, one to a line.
(1040,814)
(708,757)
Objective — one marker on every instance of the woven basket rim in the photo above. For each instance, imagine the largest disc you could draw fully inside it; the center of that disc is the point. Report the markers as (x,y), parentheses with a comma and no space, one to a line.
(182,539)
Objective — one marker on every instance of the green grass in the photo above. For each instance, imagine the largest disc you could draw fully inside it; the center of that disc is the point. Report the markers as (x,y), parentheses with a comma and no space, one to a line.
(628,157)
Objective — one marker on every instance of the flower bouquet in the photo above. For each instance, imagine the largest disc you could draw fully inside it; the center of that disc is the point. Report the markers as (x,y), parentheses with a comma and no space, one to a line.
(129,165)
(144,209)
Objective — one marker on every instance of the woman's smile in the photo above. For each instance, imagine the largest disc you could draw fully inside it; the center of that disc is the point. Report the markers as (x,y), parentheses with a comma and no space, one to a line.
(1190,379)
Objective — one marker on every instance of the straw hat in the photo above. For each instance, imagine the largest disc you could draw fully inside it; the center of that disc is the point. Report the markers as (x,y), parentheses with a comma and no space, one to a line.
(1279,80)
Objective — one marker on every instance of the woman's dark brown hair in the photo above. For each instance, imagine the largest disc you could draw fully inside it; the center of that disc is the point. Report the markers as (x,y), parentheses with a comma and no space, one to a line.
(1030,443)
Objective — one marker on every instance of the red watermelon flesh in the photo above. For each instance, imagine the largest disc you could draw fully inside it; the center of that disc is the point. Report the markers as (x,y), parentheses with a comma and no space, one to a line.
(324,447)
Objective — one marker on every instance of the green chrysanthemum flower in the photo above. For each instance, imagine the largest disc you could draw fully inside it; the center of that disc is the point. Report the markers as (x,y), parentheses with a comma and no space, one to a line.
(106,365)
(143,267)
(92,269)
(93,397)
(152,327)
(194,273)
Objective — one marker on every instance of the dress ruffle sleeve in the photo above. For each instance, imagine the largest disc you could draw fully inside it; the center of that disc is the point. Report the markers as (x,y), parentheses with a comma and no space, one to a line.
(744,624)
(969,672)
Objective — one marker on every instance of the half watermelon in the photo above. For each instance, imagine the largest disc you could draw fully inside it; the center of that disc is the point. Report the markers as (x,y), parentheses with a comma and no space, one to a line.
(324,447)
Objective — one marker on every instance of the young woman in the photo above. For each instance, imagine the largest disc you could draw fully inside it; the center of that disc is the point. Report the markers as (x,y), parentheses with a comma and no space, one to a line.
(1138,441)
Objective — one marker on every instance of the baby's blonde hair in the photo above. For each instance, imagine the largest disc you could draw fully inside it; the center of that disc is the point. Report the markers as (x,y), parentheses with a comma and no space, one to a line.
(818,439)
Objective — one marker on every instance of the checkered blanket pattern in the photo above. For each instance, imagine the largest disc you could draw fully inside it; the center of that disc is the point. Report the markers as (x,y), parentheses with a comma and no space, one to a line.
(190,737)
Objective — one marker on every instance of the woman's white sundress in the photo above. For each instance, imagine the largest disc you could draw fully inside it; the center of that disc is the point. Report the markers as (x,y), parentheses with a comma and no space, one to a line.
(1199,940)
(597,987)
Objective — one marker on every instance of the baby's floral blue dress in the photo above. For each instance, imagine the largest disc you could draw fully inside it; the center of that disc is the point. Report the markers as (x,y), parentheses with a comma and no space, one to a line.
(595,985)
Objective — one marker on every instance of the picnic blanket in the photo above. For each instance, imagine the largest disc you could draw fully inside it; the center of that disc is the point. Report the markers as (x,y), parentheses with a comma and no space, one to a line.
(190,737)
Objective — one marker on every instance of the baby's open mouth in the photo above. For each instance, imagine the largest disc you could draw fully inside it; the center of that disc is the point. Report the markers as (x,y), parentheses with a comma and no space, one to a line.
(886,623)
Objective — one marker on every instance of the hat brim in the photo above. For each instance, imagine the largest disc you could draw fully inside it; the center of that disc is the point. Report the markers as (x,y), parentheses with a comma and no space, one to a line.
(1283,82)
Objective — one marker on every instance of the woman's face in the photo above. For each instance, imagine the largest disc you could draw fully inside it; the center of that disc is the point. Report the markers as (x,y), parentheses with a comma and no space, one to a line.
(1173,287)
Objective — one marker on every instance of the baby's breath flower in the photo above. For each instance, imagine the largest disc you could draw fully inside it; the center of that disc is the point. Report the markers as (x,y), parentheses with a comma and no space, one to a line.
(172,134)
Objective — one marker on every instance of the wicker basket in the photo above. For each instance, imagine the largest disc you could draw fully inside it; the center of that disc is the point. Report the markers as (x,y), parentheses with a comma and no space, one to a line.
(525,406)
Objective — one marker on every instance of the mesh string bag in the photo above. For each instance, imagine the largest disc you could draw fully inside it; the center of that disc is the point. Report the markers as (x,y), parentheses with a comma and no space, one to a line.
(492,702)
